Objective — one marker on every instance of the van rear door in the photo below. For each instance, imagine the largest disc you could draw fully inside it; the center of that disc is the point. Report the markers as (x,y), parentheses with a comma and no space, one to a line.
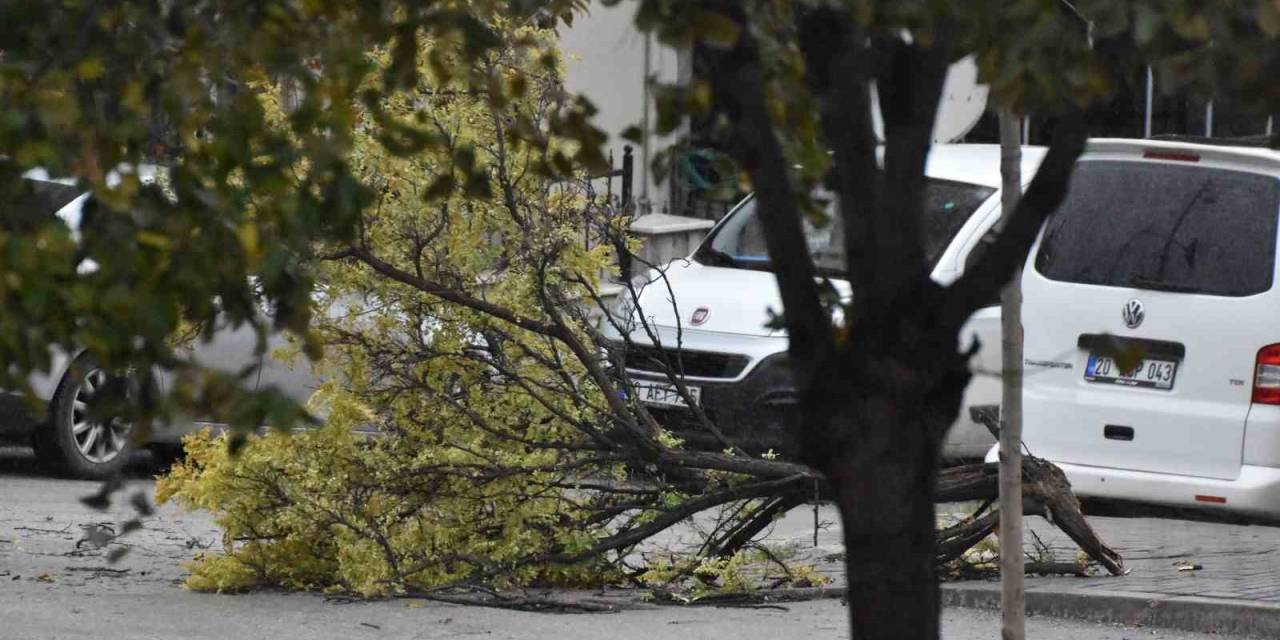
(1146,301)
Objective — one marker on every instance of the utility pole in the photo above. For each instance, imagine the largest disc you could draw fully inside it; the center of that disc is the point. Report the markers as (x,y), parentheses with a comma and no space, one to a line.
(1012,596)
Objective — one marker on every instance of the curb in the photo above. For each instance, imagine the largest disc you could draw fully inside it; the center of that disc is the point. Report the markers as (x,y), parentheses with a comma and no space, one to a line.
(1184,613)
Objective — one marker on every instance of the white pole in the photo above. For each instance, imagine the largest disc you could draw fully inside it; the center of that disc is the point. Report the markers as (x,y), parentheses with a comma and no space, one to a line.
(1012,595)
(1208,120)
(1151,83)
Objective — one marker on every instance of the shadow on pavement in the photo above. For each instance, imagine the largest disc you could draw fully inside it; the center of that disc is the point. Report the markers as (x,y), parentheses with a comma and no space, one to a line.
(1126,509)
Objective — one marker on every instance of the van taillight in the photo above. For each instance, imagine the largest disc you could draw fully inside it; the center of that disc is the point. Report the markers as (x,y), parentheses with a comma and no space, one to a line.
(1176,156)
(1266,378)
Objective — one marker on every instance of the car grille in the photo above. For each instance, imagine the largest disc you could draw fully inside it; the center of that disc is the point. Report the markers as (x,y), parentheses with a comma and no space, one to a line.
(701,364)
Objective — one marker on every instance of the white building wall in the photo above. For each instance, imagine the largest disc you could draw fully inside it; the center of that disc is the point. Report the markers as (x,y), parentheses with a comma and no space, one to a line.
(605,60)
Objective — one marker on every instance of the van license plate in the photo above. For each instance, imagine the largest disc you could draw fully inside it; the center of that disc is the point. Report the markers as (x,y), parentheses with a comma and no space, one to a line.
(665,395)
(1150,373)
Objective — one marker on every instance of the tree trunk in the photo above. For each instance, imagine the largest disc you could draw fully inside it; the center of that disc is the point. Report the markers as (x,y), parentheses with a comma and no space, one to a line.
(1012,597)
(877,395)
(881,455)
(890,541)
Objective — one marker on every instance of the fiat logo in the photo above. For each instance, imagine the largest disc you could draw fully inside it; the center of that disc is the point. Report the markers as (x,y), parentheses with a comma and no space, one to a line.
(1133,313)
(699,316)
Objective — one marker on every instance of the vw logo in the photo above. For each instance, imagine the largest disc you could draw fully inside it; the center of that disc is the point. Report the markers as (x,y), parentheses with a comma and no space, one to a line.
(1133,313)
(699,316)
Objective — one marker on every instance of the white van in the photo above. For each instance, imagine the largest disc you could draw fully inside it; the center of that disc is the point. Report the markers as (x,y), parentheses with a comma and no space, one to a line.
(713,308)
(1152,324)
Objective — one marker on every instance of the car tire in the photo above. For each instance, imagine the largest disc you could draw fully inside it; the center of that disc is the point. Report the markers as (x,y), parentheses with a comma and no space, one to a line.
(72,442)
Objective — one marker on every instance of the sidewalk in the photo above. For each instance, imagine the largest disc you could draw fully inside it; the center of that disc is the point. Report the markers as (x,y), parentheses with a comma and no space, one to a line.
(1235,589)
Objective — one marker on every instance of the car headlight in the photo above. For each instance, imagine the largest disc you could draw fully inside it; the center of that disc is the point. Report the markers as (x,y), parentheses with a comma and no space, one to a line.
(624,307)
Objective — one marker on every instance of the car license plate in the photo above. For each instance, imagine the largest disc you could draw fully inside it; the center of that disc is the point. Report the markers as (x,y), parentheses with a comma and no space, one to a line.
(665,395)
(1152,373)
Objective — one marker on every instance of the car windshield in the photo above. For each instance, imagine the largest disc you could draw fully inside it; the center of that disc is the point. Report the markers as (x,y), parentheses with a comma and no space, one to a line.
(1164,227)
(739,242)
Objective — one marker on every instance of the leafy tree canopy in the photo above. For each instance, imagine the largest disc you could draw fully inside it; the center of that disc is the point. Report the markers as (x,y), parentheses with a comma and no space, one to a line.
(87,88)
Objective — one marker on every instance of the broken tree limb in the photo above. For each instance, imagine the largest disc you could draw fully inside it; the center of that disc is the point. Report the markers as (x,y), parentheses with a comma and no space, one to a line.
(1046,492)
(1049,484)
(959,538)
(1056,569)
(966,482)
(1031,568)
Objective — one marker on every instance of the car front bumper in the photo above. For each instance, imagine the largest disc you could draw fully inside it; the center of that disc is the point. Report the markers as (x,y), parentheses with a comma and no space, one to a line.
(752,412)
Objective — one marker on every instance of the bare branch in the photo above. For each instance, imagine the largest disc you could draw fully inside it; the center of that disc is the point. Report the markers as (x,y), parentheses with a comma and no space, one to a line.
(909,87)
(838,65)
(688,508)
(738,88)
(453,295)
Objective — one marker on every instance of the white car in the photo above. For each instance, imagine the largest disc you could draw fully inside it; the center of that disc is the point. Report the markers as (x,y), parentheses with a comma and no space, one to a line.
(716,314)
(65,437)
(1152,316)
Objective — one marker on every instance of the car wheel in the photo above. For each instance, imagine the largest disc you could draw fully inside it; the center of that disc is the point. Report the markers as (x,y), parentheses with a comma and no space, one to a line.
(75,441)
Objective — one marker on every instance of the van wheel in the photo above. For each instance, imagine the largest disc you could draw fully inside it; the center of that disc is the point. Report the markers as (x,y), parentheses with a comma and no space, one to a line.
(78,441)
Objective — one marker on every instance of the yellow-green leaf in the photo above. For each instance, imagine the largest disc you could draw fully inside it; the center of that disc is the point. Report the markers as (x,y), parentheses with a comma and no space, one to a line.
(716,29)
(90,69)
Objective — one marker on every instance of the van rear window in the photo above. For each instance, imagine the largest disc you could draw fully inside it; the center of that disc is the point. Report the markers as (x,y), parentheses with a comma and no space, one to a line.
(1164,227)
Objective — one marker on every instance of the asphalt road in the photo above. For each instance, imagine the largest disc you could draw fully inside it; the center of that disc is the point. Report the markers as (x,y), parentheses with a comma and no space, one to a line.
(40,615)
(56,583)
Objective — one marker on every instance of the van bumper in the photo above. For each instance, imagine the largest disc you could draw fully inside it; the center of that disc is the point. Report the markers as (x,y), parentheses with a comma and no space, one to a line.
(1255,491)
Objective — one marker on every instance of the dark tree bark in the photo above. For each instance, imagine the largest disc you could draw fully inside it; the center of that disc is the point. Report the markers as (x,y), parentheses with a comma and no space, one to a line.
(876,401)
(1046,493)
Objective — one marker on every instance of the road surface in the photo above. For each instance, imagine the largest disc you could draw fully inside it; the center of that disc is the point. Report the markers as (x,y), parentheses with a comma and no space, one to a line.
(55,583)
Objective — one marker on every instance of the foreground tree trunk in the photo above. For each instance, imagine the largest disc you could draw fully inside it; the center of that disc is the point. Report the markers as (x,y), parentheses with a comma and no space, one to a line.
(890,539)
(878,395)
(884,402)
(880,391)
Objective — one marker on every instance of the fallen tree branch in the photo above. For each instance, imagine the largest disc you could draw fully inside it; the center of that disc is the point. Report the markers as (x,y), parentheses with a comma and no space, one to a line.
(1046,481)
(1052,568)
(1046,492)
(516,601)
(955,540)
(966,482)
(738,538)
